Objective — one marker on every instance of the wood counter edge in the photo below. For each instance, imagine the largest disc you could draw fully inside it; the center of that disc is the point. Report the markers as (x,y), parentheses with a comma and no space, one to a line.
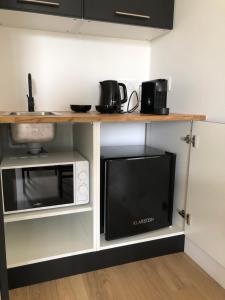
(69,117)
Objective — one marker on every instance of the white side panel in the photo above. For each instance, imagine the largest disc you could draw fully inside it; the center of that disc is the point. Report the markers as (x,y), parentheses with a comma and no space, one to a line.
(206,192)
(206,262)
(87,142)
(168,136)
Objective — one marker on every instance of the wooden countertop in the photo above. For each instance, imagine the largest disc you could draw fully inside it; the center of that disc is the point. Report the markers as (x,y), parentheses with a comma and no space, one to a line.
(64,117)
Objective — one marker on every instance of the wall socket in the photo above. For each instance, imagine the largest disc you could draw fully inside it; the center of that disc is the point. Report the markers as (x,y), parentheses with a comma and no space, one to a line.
(169,79)
(132,85)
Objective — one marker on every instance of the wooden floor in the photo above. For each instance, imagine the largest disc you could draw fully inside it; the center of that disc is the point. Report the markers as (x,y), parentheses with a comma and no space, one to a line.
(173,277)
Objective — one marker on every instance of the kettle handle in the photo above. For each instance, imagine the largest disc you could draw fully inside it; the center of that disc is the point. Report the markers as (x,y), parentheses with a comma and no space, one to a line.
(124,100)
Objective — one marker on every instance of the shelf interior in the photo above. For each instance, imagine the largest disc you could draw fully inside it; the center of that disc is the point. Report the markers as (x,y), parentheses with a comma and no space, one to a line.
(140,238)
(39,240)
(45,213)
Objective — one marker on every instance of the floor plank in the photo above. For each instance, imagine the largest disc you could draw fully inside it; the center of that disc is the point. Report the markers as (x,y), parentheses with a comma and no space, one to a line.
(172,277)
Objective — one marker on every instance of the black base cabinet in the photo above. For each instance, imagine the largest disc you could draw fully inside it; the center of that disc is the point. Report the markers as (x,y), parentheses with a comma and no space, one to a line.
(67,8)
(68,266)
(148,13)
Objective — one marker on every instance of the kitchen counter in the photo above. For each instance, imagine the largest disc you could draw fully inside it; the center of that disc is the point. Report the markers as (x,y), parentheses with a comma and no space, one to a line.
(64,117)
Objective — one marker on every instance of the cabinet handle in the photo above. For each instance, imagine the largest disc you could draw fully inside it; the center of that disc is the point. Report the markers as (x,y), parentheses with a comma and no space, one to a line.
(121,13)
(55,4)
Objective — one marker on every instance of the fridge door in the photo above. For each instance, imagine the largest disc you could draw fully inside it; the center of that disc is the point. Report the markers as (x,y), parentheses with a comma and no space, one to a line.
(138,195)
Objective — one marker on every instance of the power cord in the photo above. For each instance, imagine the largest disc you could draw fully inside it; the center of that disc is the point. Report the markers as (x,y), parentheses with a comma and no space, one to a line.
(129,111)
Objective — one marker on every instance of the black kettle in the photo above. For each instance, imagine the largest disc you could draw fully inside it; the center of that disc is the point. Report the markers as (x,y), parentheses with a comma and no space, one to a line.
(111,95)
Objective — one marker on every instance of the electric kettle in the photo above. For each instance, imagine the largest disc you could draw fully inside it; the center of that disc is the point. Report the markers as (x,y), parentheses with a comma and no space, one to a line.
(111,98)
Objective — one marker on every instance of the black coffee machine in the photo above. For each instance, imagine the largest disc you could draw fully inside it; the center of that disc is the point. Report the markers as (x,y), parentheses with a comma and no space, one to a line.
(154,97)
(111,99)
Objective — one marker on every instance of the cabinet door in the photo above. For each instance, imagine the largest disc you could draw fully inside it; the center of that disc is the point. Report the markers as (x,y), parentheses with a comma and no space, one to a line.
(206,191)
(70,8)
(153,13)
(168,136)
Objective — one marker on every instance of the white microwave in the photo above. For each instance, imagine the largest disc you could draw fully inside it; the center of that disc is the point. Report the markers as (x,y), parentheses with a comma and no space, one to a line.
(47,180)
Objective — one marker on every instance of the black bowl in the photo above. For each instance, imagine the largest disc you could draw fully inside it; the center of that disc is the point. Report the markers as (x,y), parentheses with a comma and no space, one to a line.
(80,108)
(105,109)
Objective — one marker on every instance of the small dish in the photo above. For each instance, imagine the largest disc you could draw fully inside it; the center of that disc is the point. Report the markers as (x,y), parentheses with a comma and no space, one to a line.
(80,108)
(105,109)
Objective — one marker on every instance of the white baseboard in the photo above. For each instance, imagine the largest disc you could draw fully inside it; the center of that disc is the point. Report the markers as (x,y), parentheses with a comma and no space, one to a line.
(206,262)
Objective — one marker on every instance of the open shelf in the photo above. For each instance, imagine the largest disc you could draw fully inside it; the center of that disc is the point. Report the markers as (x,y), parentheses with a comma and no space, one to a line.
(140,238)
(45,213)
(40,240)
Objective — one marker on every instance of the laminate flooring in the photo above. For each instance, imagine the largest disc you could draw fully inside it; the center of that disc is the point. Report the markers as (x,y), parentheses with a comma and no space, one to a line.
(171,277)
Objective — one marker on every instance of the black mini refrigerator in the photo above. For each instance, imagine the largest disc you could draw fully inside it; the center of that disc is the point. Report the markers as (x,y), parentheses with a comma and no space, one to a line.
(137,186)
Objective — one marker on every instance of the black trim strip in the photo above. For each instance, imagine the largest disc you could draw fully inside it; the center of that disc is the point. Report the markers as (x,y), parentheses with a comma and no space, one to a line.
(68,266)
(3,267)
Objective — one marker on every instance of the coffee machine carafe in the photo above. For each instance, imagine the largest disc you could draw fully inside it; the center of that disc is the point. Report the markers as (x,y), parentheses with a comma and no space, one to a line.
(154,97)
(111,95)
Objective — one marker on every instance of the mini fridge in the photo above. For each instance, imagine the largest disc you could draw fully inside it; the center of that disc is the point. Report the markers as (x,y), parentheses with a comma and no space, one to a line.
(137,187)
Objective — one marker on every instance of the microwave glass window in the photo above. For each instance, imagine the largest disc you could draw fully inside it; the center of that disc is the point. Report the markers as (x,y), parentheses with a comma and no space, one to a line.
(37,187)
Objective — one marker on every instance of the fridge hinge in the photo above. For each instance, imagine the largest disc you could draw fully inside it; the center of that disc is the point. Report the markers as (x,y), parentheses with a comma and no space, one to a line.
(185,216)
(190,140)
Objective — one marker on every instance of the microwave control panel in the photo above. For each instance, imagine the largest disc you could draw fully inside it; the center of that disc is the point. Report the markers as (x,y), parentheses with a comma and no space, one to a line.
(81,182)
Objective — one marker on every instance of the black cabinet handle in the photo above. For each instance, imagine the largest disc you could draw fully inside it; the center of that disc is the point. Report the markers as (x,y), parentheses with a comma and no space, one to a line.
(46,3)
(121,13)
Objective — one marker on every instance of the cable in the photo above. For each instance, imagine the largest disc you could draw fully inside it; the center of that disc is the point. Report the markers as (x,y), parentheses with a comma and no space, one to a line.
(137,104)
(129,111)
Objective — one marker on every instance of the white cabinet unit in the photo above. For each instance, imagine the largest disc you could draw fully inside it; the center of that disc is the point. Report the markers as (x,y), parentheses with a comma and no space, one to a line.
(199,193)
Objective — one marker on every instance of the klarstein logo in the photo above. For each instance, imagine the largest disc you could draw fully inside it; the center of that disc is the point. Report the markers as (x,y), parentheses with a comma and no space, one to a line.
(143,221)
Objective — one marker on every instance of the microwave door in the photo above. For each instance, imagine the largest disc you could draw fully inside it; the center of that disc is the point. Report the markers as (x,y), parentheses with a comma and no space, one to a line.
(38,187)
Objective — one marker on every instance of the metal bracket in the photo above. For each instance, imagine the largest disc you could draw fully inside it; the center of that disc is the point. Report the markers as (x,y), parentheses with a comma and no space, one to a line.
(185,216)
(190,139)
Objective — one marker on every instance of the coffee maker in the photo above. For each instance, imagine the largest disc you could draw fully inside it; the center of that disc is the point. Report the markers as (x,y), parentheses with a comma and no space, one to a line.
(154,97)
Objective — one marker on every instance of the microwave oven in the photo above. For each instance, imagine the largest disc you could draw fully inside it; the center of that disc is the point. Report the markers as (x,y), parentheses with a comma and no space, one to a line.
(47,180)
(137,185)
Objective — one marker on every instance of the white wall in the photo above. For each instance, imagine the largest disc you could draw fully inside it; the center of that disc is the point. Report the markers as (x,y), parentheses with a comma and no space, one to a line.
(193,54)
(122,134)
(66,68)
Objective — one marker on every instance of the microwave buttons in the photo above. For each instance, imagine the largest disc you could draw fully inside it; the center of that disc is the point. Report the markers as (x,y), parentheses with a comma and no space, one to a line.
(82,195)
(82,175)
(82,182)
(83,189)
